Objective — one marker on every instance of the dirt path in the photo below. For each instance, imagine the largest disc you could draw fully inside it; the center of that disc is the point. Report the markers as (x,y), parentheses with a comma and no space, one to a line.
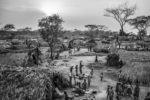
(63,65)
(95,82)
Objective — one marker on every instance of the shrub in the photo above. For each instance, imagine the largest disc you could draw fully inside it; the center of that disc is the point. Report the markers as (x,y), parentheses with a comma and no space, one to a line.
(97,50)
(114,60)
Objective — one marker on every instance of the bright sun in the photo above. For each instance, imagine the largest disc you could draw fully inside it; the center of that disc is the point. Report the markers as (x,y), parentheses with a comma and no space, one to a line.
(50,9)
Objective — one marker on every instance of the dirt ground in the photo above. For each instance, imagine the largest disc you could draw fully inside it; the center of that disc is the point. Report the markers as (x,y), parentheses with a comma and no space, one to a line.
(100,86)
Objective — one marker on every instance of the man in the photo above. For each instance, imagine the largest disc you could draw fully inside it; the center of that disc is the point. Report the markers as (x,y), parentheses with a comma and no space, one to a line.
(129,91)
(118,97)
(84,85)
(136,92)
(76,68)
(80,67)
(101,77)
(89,80)
(71,69)
(70,79)
(111,93)
(108,92)
(92,72)
(66,95)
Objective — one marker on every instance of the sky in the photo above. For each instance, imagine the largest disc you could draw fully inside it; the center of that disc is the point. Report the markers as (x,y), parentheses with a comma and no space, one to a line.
(75,13)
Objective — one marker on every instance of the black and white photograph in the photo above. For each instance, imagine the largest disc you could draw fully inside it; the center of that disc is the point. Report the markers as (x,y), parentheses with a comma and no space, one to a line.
(74,49)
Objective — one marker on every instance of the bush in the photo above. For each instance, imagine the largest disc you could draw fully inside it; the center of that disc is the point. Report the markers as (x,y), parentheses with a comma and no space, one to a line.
(114,60)
(97,50)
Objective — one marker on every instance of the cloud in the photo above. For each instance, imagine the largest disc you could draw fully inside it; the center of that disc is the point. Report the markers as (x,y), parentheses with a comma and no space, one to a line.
(76,13)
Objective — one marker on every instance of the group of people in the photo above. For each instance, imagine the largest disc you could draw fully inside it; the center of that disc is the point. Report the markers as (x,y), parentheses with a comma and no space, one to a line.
(124,88)
(81,80)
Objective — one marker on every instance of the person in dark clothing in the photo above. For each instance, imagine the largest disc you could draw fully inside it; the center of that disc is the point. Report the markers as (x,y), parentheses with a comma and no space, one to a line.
(111,93)
(70,79)
(76,68)
(89,81)
(80,67)
(118,97)
(34,59)
(136,92)
(101,77)
(117,88)
(92,72)
(71,69)
(108,92)
(84,85)
(66,95)
(129,91)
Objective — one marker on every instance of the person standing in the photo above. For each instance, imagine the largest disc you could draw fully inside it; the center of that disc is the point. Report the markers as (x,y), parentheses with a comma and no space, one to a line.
(71,70)
(70,79)
(66,95)
(108,92)
(84,85)
(89,80)
(101,76)
(136,92)
(76,69)
(92,72)
(80,67)
(111,93)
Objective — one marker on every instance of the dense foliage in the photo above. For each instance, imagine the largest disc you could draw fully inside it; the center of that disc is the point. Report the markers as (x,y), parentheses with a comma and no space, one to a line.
(98,50)
(114,60)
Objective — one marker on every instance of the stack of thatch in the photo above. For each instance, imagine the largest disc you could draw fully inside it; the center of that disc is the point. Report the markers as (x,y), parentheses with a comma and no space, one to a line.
(18,83)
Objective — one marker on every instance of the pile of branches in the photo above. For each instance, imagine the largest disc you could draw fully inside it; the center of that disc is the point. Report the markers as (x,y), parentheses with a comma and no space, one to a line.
(19,83)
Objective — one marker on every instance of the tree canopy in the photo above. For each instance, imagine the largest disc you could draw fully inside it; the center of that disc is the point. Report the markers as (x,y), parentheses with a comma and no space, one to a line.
(121,14)
(50,27)
(9,27)
(141,23)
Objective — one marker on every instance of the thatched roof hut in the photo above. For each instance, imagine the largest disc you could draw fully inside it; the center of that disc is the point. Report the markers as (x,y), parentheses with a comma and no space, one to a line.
(18,83)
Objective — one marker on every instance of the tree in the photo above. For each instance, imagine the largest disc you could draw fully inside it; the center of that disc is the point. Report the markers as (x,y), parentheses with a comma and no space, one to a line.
(102,27)
(50,27)
(26,29)
(9,27)
(141,23)
(121,14)
(92,29)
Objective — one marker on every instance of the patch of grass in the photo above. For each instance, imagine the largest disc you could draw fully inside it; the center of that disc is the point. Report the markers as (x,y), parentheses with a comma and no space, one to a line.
(137,65)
